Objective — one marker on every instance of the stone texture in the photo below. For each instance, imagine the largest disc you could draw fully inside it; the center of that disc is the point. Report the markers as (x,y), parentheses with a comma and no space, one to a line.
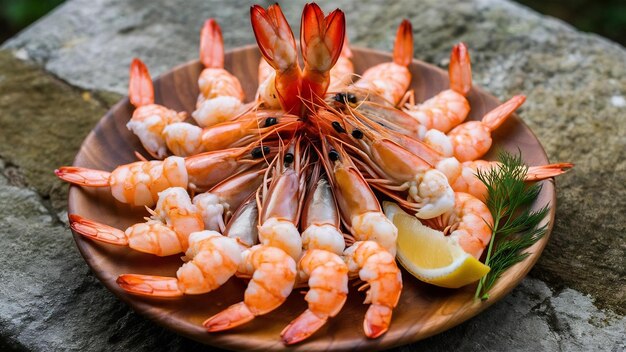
(576,88)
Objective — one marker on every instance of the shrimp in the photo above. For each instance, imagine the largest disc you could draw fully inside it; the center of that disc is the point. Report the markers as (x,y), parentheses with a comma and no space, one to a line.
(463,176)
(221,94)
(272,272)
(243,224)
(320,218)
(217,205)
(378,269)
(327,276)
(278,46)
(139,183)
(321,40)
(341,74)
(450,107)
(472,139)
(185,139)
(395,168)
(266,92)
(281,203)
(211,260)
(469,223)
(359,207)
(165,233)
(149,119)
(390,80)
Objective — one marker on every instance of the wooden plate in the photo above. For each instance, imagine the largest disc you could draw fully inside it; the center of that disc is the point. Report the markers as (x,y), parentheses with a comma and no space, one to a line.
(423,310)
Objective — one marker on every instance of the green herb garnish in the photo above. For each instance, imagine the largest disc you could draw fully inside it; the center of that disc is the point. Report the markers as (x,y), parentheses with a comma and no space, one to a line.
(515,226)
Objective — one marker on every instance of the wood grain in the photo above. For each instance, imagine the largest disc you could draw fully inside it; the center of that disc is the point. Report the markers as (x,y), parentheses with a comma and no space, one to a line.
(423,310)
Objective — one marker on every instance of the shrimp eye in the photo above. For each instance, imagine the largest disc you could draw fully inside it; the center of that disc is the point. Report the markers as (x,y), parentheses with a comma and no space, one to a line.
(288,158)
(333,155)
(258,152)
(352,98)
(357,134)
(340,97)
(338,128)
(270,121)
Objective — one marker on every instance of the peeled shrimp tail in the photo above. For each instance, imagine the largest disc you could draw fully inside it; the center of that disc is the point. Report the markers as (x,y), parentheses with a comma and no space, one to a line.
(460,70)
(497,116)
(83,176)
(140,88)
(403,46)
(211,45)
(97,231)
(537,173)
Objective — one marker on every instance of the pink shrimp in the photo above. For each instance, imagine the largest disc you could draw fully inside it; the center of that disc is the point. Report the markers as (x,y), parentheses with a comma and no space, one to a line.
(359,207)
(139,183)
(272,272)
(378,269)
(390,80)
(211,260)
(281,203)
(472,139)
(221,94)
(450,107)
(462,176)
(165,233)
(185,139)
(341,74)
(149,119)
(278,46)
(321,40)
(327,277)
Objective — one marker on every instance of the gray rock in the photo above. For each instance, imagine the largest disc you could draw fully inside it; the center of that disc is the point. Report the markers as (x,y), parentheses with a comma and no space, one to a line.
(576,88)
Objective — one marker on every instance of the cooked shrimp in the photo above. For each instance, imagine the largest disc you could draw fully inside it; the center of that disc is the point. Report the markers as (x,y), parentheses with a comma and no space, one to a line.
(341,74)
(462,176)
(243,224)
(378,269)
(395,169)
(281,203)
(266,92)
(221,94)
(450,107)
(359,207)
(216,206)
(211,260)
(278,46)
(272,272)
(149,119)
(469,223)
(472,139)
(390,80)
(185,139)
(327,276)
(165,233)
(320,219)
(321,40)
(139,183)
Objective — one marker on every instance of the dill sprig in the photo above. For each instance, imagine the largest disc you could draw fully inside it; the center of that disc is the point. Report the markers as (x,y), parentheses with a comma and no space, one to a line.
(515,225)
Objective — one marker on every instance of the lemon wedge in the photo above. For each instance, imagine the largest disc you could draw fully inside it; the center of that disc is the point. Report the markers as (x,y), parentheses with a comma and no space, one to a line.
(429,255)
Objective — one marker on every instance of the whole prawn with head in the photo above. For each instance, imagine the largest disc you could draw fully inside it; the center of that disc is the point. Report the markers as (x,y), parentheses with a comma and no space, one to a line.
(280,203)
(359,207)
(278,46)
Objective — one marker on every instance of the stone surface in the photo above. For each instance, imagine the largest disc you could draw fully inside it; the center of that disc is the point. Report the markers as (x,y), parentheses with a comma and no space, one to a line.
(576,88)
